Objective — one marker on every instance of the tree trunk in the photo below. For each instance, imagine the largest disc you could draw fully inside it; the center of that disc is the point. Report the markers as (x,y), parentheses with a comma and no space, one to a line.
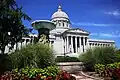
(3,50)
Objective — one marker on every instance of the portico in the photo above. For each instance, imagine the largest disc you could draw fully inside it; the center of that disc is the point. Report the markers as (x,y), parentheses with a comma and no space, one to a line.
(75,42)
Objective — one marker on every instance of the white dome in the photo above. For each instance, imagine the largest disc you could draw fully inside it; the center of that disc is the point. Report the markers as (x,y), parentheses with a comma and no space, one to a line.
(60,14)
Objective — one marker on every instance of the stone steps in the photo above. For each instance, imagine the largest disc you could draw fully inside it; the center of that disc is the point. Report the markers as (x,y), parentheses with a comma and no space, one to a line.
(81,77)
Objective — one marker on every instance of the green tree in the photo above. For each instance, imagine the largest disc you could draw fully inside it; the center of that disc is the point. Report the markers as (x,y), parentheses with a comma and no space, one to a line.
(11,17)
(18,30)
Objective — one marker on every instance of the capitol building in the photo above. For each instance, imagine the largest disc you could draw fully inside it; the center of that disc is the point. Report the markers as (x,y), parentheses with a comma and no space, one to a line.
(66,40)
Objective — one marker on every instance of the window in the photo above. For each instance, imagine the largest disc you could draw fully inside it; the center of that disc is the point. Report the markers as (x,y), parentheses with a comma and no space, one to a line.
(59,24)
(67,24)
(63,24)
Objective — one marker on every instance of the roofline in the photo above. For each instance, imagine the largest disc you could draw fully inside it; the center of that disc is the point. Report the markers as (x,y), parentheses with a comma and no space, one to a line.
(101,40)
(75,29)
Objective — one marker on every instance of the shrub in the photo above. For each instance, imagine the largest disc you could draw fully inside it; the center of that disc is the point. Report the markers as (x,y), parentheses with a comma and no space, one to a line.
(117,56)
(63,75)
(66,59)
(5,63)
(34,55)
(102,55)
(99,68)
(109,70)
(48,73)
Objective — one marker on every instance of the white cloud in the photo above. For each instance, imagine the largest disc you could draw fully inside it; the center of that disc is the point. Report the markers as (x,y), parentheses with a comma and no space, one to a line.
(94,34)
(94,24)
(114,13)
(111,35)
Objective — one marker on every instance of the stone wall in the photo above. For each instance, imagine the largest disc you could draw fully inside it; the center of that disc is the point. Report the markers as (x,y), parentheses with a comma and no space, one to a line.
(71,67)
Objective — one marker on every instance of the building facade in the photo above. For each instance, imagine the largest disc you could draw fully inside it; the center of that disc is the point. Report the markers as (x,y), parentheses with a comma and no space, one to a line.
(72,41)
(66,40)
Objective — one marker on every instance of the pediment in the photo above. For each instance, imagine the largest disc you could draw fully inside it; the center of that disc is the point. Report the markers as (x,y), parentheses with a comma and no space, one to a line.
(77,30)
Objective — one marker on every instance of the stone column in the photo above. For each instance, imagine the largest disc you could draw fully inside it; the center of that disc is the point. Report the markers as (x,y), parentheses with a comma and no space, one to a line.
(110,45)
(80,44)
(67,44)
(72,44)
(24,42)
(87,43)
(93,45)
(76,44)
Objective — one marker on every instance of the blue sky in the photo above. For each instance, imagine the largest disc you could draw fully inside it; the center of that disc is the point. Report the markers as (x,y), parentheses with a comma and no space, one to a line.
(100,17)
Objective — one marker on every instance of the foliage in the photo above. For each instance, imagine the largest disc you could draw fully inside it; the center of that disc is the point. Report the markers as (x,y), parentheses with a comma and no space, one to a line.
(66,59)
(102,55)
(33,55)
(5,63)
(33,73)
(109,70)
(18,29)
(117,56)
(99,68)
(63,75)
(49,73)
(11,27)
(43,39)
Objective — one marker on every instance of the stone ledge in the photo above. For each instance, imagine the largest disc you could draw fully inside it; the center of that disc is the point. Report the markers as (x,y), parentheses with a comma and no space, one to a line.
(69,63)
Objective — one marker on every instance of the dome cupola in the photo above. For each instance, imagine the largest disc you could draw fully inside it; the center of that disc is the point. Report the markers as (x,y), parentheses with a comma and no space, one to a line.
(60,14)
(60,18)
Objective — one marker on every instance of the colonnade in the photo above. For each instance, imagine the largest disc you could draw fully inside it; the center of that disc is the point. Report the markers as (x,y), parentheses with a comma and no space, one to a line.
(100,44)
(19,45)
(75,44)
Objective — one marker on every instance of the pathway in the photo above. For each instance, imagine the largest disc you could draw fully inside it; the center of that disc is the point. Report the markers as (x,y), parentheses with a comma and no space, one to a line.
(79,75)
